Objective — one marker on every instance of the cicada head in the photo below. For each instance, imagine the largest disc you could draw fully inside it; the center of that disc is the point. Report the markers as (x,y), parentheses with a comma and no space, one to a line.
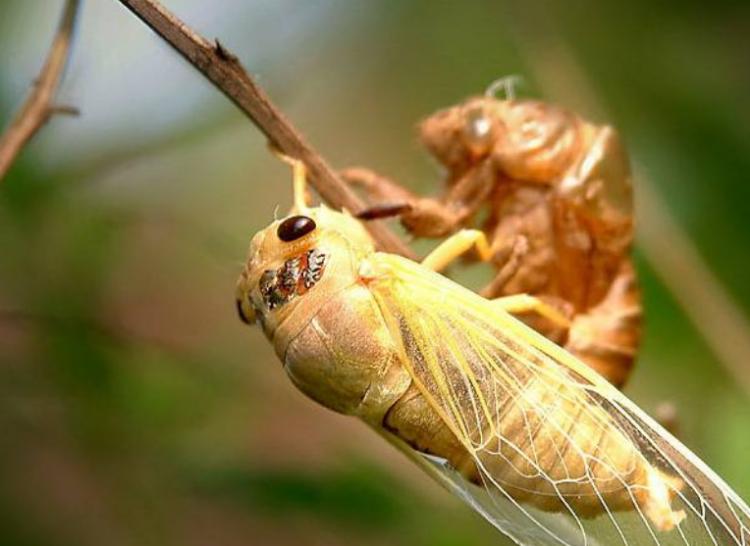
(461,135)
(526,140)
(297,262)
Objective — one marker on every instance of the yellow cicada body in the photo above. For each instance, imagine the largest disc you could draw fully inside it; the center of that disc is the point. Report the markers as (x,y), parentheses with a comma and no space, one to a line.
(543,447)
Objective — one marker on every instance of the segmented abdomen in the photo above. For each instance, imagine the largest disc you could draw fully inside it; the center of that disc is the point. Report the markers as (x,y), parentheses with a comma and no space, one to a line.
(556,452)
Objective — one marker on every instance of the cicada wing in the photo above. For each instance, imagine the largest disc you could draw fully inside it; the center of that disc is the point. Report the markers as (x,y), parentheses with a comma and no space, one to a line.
(504,516)
(557,455)
(507,516)
(713,509)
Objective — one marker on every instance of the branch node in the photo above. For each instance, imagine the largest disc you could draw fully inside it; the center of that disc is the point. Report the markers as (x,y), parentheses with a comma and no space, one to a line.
(37,109)
(223,53)
(64,110)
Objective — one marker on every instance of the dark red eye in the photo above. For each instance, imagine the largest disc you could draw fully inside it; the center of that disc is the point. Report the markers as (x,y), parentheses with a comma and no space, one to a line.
(295,227)
(241,312)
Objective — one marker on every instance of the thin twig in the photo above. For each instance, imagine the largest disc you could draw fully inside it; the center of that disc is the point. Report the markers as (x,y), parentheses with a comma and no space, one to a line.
(224,70)
(675,258)
(39,107)
(696,288)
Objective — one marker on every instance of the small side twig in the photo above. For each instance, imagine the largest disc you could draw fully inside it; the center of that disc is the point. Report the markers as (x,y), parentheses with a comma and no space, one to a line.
(39,107)
(222,68)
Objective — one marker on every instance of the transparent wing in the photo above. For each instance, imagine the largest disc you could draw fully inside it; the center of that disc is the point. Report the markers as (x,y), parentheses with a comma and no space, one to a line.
(555,454)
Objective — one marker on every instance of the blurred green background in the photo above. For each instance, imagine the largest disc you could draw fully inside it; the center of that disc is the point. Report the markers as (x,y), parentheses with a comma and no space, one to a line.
(136,409)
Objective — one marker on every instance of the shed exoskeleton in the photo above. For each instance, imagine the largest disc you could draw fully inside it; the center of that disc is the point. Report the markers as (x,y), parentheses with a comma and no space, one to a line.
(553,194)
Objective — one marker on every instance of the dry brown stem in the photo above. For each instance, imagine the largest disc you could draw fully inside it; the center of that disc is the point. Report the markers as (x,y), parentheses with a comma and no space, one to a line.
(224,70)
(38,107)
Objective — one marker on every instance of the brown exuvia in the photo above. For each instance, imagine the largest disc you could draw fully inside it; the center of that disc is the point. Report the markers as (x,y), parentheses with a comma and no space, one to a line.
(553,195)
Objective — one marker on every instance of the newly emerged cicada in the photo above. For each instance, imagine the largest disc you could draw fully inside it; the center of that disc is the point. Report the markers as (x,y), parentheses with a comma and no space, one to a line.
(543,447)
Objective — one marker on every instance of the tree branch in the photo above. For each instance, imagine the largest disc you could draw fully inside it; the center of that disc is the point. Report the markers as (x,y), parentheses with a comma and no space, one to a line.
(224,70)
(38,108)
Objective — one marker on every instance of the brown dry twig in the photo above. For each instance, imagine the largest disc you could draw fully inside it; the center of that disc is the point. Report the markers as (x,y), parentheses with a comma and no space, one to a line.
(224,70)
(39,106)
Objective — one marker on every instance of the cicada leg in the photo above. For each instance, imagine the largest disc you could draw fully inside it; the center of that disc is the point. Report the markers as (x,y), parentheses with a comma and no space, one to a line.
(456,245)
(524,303)
(376,187)
(425,216)
(422,216)
(301,201)
(459,243)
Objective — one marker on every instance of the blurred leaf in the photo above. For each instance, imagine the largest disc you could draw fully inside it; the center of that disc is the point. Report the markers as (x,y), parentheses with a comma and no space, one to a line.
(360,495)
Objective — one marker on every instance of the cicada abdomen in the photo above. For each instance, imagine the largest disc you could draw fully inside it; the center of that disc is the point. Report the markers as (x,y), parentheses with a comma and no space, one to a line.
(519,421)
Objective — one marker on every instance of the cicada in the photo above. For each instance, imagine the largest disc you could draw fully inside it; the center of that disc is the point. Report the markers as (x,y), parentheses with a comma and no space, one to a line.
(552,193)
(538,443)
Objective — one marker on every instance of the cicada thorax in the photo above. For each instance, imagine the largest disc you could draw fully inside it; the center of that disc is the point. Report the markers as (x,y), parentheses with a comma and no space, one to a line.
(343,357)
(323,323)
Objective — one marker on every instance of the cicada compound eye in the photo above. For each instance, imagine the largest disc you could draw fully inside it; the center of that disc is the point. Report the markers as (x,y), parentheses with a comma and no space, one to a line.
(478,131)
(295,227)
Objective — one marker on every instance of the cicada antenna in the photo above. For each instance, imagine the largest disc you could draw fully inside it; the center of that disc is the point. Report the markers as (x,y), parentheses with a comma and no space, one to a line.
(506,84)
(299,178)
